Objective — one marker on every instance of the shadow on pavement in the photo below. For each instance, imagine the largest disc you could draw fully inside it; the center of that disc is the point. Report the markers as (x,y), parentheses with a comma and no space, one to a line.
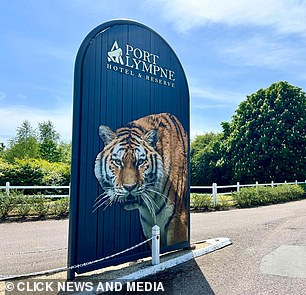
(187,278)
(184,279)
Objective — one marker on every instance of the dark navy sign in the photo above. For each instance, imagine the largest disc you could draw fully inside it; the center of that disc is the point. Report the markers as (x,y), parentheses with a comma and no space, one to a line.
(130,162)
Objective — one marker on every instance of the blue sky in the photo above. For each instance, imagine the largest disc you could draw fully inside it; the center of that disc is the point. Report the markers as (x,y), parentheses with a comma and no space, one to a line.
(229,49)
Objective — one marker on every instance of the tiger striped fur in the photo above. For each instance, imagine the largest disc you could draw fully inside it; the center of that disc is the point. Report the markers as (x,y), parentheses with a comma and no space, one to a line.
(143,166)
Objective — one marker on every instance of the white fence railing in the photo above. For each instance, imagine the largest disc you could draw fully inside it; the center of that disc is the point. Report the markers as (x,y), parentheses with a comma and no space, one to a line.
(9,187)
(213,189)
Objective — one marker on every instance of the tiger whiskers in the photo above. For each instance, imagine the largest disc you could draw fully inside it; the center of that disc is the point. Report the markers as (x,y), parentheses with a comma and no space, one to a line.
(145,193)
(98,198)
(150,203)
(109,198)
(165,199)
(108,203)
(103,195)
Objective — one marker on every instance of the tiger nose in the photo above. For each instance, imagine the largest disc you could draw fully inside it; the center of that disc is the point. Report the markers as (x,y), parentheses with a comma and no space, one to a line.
(129,187)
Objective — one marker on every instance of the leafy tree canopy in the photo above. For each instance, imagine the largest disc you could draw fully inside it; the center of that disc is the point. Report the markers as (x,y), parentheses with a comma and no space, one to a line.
(207,165)
(29,143)
(48,142)
(24,144)
(267,136)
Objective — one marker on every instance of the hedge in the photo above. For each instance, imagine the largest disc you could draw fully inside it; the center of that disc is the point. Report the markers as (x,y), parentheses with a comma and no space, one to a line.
(29,172)
(204,202)
(34,172)
(201,201)
(21,206)
(258,196)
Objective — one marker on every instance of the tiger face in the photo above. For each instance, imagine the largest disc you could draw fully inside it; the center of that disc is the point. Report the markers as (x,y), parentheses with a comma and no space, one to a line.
(129,169)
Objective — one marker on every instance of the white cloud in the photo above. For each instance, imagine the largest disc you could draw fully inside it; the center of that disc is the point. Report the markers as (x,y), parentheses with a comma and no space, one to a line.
(264,52)
(224,96)
(209,106)
(12,117)
(286,16)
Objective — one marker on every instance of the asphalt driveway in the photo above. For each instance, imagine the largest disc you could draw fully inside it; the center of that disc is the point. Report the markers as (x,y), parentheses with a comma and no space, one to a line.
(268,254)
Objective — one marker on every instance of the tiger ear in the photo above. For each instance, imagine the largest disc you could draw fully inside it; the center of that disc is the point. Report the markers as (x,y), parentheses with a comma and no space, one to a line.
(106,134)
(151,137)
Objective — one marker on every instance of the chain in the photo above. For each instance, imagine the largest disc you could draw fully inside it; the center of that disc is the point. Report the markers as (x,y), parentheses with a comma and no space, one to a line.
(2,277)
(108,257)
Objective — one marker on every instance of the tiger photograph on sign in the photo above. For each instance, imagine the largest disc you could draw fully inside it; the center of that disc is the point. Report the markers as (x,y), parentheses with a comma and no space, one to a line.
(143,165)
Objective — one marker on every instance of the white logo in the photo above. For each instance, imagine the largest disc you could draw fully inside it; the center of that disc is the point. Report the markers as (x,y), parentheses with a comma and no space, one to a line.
(137,62)
(115,54)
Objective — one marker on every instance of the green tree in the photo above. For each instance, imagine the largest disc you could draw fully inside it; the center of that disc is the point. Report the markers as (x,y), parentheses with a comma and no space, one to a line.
(266,139)
(48,142)
(2,149)
(24,145)
(207,160)
(65,152)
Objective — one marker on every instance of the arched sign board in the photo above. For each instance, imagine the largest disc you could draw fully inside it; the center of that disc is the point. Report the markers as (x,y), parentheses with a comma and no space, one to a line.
(130,149)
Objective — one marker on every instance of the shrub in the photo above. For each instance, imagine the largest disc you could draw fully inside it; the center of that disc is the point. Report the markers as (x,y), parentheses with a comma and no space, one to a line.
(224,202)
(20,206)
(34,172)
(40,206)
(24,205)
(60,207)
(201,201)
(257,196)
(23,172)
(303,186)
(54,173)
(7,203)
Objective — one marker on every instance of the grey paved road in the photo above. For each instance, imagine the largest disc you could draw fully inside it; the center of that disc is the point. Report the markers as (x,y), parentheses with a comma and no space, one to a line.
(27,247)
(268,255)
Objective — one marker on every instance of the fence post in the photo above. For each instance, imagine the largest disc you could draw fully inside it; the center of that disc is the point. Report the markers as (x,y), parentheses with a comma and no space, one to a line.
(238,186)
(285,181)
(155,244)
(215,193)
(256,183)
(296,182)
(7,188)
(272,183)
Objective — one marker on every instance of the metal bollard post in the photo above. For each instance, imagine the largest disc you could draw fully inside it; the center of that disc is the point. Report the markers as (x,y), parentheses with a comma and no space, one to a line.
(155,244)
